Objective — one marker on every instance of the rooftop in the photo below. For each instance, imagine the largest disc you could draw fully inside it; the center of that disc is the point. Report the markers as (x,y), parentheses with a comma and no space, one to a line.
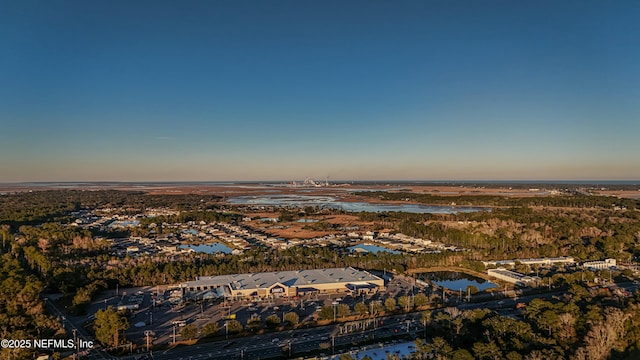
(295,278)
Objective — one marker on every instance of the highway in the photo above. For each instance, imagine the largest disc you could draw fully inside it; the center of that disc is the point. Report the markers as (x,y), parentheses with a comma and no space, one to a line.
(275,345)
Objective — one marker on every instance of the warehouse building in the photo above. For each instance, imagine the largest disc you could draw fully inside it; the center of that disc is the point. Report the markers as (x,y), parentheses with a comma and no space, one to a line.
(513,277)
(536,261)
(600,265)
(286,283)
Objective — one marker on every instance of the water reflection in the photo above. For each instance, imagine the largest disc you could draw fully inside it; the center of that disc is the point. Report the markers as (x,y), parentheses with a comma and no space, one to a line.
(208,248)
(335,203)
(454,280)
(372,249)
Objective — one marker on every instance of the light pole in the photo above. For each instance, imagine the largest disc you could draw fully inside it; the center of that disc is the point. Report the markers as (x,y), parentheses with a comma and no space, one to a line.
(174,333)
(148,334)
(424,322)
(335,303)
(333,344)
(75,342)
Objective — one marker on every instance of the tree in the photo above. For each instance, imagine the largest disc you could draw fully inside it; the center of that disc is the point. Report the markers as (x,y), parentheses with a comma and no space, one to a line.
(603,336)
(390,304)
(512,355)
(361,309)
(272,321)
(461,354)
(420,300)
(234,326)
(489,351)
(291,318)
(567,326)
(109,325)
(254,323)
(404,302)
(81,299)
(548,320)
(375,307)
(326,313)
(343,310)
(440,347)
(189,332)
(210,329)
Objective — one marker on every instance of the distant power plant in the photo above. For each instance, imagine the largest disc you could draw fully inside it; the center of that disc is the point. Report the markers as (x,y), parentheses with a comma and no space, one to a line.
(309,182)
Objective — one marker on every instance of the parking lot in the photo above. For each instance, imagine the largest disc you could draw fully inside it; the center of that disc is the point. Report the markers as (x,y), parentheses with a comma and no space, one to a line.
(157,309)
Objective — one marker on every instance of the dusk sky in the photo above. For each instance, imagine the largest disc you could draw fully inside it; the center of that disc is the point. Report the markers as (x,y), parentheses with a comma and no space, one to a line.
(352,90)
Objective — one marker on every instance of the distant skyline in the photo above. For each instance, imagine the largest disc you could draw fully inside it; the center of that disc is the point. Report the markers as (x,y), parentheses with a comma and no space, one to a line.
(352,90)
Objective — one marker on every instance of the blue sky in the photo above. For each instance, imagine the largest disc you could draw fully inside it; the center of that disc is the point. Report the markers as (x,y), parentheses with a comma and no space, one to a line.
(281,90)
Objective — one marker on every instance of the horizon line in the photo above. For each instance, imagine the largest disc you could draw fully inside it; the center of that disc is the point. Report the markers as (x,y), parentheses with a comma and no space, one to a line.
(338,181)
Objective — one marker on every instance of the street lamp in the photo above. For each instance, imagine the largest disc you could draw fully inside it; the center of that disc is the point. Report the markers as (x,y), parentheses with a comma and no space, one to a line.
(333,344)
(424,322)
(174,333)
(148,333)
(335,303)
(75,342)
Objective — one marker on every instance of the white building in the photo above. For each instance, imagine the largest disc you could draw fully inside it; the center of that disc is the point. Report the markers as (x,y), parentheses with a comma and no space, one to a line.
(512,277)
(288,283)
(535,261)
(599,265)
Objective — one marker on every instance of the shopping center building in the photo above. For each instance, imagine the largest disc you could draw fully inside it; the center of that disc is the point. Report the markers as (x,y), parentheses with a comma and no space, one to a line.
(285,283)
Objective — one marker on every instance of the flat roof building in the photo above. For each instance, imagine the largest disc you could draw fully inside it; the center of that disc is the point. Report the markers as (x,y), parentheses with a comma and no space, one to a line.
(286,283)
(512,277)
(535,261)
(599,265)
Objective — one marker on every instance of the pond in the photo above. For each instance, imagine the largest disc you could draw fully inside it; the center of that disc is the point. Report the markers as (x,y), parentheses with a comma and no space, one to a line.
(208,248)
(335,203)
(372,249)
(456,281)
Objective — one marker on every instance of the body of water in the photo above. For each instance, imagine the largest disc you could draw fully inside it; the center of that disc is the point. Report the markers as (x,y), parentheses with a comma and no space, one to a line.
(208,248)
(373,248)
(456,281)
(335,203)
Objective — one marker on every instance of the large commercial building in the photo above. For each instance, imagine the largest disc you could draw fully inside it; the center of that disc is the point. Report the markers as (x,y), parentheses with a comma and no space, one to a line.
(286,283)
(599,265)
(539,261)
(512,277)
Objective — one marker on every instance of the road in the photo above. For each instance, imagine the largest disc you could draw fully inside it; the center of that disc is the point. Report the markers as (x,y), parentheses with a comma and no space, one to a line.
(275,345)
(75,330)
